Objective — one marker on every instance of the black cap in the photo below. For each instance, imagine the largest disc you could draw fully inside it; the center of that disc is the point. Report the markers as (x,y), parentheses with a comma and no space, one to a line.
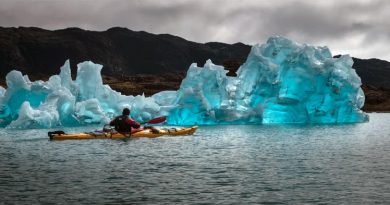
(126,111)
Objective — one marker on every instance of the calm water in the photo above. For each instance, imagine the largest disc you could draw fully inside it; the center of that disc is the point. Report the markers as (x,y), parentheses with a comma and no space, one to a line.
(348,164)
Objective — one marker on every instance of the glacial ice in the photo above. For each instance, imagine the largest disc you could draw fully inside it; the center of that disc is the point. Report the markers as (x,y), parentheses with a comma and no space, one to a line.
(281,82)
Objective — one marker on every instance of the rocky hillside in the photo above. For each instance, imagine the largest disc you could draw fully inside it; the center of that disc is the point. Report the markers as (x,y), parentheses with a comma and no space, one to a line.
(136,62)
(373,72)
(120,50)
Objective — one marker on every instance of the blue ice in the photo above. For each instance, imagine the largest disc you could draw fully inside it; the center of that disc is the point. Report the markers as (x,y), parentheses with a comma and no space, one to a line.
(282,81)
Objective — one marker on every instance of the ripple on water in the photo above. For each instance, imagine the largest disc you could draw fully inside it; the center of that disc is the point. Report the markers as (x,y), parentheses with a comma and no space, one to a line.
(272,164)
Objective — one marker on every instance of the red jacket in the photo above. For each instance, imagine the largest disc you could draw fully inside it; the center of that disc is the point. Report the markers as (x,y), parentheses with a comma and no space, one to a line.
(124,123)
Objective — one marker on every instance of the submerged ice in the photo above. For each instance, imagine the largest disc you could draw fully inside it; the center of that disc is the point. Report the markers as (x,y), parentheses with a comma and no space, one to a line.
(281,82)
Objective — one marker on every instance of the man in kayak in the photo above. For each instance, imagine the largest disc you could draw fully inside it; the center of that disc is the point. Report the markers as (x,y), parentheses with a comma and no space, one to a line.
(124,123)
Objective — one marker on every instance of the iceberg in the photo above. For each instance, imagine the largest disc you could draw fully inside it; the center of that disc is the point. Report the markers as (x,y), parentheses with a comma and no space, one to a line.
(63,102)
(281,82)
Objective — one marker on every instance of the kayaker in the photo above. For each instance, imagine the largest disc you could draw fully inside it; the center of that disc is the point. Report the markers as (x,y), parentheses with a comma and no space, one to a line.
(124,123)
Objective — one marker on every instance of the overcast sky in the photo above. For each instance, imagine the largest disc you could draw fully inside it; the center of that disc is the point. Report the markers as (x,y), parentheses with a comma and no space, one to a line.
(357,27)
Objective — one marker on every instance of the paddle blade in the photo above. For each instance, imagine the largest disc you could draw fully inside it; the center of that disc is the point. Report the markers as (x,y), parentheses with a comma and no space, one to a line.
(157,120)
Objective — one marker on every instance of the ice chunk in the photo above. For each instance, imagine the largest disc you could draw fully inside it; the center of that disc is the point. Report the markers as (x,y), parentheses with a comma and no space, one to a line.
(88,80)
(21,89)
(89,111)
(35,118)
(208,96)
(2,92)
(143,108)
(65,75)
(15,80)
(165,98)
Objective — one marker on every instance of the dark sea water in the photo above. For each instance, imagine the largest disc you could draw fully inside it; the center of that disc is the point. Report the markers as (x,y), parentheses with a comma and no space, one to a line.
(328,164)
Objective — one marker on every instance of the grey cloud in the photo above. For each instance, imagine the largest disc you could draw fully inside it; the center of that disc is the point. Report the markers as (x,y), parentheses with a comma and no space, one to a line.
(359,27)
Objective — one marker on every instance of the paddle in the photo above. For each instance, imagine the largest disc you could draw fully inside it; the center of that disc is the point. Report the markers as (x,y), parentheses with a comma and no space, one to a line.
(155,120)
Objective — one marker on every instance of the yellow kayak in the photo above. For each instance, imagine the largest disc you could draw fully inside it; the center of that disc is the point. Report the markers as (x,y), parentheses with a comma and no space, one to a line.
(150,133)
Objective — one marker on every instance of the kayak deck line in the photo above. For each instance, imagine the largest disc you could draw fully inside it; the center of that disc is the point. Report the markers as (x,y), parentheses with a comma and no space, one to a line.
(148,133)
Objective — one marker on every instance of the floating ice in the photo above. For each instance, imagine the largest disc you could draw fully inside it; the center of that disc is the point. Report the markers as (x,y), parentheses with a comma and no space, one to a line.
(63,102)
(281,82)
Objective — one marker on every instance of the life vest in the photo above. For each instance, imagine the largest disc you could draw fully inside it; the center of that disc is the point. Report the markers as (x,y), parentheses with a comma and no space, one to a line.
(121,124)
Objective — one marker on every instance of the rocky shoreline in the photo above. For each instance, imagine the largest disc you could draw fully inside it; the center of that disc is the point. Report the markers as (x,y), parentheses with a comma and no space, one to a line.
(377,99)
